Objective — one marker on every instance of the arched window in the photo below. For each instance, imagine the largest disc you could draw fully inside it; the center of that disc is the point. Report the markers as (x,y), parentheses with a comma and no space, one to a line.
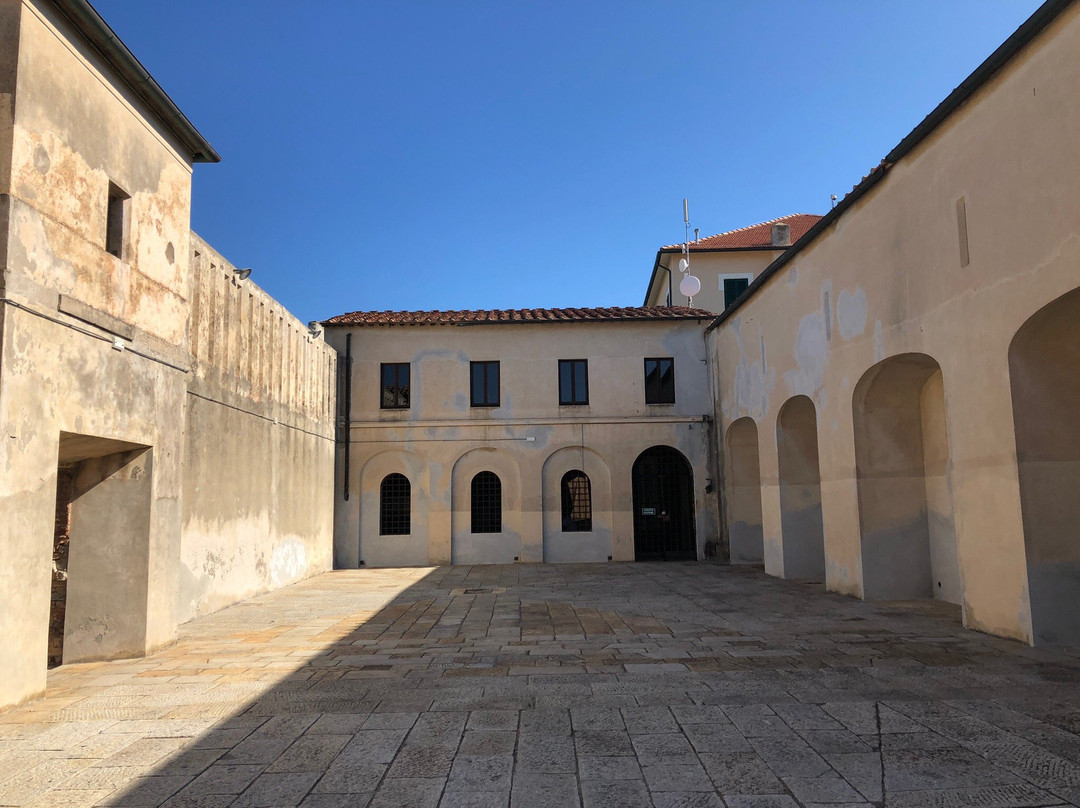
(576,502)
(395,504)
(486,503)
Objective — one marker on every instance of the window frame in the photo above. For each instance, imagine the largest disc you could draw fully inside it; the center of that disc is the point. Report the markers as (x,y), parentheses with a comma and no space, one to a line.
(117,214)
(397,523)
(659,398)
(485,368)
(569,497)
(743,276)
(479,521)
(397,405)
(572,400)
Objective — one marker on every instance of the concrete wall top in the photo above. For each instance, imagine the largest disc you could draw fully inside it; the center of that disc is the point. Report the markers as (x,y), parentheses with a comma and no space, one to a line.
(248,351)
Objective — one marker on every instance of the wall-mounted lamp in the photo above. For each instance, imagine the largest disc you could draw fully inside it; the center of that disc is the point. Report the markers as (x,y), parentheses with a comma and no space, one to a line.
(242,274)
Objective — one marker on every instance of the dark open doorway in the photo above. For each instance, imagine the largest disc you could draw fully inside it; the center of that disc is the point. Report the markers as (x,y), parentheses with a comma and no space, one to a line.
(663,506)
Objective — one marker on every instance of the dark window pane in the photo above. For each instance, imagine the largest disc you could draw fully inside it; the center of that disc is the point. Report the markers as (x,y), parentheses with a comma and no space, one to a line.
(394,392)
(565,382)
(394,505)
(659,381)
(581,382)
(477,384)
(486,503)
(733,287)
(492,383)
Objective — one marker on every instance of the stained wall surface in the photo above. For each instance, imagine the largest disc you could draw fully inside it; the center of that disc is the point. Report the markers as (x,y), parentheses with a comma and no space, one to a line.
(901,272)
(259,442)
(93,344)
(440,442)
(225,483)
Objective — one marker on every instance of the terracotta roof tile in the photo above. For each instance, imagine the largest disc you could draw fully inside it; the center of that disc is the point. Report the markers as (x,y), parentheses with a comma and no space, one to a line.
(755,235)
(616,313)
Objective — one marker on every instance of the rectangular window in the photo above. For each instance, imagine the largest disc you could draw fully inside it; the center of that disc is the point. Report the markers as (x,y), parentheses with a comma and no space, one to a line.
(660,381)
(116,221)
(573,381)
(484,383)
(733,287)
(394,394)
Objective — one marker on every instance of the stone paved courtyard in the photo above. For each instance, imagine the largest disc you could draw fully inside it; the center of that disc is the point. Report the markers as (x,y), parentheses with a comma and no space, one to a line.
(581,685)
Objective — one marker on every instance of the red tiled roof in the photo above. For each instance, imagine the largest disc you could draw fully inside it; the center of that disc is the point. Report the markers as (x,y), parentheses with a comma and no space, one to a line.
(616,313)
(756,235)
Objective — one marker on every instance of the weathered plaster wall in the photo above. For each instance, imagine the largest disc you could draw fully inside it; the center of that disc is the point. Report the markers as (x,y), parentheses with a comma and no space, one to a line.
(887,280)
(440,442)
(258,451)
(65,302)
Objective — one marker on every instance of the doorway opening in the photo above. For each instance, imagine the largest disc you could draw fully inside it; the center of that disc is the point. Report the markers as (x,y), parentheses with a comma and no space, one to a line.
(663,484)
(101,547)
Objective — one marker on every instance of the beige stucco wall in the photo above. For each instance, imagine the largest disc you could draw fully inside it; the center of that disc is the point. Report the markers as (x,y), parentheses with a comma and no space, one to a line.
(440,442)
(195,413)
(72,133)
(259,443)
(709,268)
(887,280)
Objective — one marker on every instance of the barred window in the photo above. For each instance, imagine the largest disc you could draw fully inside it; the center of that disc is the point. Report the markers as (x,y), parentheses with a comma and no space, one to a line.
(576,502)
(395,504)
(486,503)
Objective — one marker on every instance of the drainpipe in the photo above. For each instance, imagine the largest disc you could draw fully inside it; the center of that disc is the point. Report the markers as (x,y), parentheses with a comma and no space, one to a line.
(347,416)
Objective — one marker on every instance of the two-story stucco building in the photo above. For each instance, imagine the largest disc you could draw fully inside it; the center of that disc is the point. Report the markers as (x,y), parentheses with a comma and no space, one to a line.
(726,263)
(526,435)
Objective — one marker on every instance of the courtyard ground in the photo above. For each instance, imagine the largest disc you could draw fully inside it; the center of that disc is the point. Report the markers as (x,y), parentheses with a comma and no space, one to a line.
(594,685)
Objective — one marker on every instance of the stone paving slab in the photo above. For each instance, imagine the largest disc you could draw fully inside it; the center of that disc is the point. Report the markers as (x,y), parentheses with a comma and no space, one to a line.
(522,686)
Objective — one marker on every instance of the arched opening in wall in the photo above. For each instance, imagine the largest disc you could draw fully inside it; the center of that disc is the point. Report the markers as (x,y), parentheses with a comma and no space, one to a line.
(486,503)
(745,541)
(576,492)
(803,533)
(1044,371)
(663,484)
(395,505)
(901,463)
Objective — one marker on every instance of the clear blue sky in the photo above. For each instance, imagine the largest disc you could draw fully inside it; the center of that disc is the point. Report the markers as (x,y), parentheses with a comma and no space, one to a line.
(390,154)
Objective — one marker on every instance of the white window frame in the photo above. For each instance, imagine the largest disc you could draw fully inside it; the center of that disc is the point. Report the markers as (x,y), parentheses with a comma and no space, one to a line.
(734,276)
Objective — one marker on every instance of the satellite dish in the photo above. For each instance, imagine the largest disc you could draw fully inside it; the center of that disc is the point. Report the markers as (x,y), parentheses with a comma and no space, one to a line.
(683,265)
(689,286)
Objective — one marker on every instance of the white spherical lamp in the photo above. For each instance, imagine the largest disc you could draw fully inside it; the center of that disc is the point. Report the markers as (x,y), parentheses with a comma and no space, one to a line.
(689,286)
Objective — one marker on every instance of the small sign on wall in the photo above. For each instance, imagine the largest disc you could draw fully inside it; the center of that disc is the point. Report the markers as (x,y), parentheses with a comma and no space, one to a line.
(648,511)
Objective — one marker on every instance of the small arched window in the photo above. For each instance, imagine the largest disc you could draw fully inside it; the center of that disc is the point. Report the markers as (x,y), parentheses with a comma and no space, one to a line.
(486,503)
(395,505)
(576,502)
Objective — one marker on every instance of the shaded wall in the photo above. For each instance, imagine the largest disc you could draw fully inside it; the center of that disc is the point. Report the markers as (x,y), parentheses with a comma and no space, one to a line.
(258,448)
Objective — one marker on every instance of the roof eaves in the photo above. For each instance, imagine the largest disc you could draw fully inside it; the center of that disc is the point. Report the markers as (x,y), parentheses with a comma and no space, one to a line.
(116,54)
(1031,28)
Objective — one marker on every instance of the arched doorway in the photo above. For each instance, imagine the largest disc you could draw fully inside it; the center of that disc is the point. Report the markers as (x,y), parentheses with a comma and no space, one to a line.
(801,525)
(663,506)
(901,461)
(1044,371)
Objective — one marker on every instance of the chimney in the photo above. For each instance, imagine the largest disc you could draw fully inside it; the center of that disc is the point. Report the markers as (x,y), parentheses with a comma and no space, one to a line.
(781,235)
